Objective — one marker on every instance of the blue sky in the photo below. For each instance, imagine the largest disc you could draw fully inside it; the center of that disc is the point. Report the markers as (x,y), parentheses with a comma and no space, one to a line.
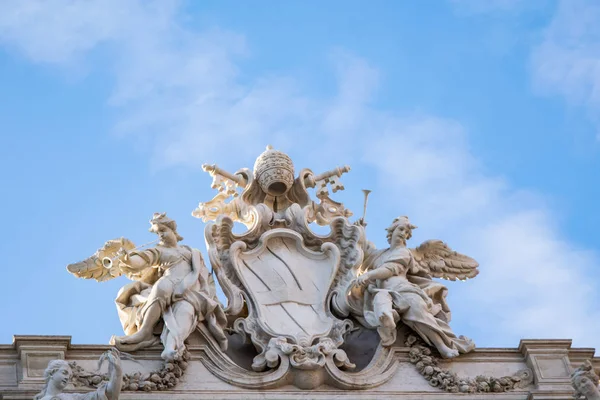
(478,119)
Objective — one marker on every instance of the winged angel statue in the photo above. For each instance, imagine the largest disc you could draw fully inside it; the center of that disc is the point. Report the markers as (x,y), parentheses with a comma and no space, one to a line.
(395,284)
(171,293)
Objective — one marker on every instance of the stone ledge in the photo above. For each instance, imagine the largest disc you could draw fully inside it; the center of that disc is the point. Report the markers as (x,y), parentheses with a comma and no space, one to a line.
(314,394)
(53,341)
(22,364)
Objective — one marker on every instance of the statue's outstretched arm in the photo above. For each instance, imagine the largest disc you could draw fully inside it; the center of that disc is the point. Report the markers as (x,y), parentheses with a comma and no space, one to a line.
(137,261)
(134,263)
(115,381)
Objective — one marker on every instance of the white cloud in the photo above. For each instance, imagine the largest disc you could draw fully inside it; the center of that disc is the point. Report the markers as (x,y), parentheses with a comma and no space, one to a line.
(357,81)
(177,87)
(58,31)
(547,289)
(533,283)
(567,61)
(183,89)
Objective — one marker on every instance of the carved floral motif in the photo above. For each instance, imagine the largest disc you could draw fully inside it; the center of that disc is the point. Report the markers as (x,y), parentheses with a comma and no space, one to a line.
(167,377)
(428,365)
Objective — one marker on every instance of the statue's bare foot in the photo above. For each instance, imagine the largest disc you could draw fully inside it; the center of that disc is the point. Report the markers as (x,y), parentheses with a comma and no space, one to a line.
(170,355)
(115,340)
(387,320)
(136,338)
(118,342)
(448,352)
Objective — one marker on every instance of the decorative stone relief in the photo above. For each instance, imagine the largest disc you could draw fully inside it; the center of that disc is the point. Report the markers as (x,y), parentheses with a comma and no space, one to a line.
(272,184)
(428,365)
(58,374)
(285,276)
(167,377)
(585,381)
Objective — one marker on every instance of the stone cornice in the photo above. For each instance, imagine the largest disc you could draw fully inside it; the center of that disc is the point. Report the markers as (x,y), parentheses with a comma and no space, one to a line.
(551,361)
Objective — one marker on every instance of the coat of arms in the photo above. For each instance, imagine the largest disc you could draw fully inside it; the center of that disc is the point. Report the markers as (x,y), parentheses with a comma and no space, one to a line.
(293,296)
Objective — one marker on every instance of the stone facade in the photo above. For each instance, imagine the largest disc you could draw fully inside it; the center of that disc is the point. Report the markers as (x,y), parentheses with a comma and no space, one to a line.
(551,362)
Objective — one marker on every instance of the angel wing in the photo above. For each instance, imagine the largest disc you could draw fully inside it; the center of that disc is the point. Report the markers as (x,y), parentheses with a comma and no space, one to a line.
(440,261)
(92,268)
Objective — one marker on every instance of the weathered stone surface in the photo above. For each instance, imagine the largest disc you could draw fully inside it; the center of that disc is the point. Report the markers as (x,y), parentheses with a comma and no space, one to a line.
(19,381)
(585,382)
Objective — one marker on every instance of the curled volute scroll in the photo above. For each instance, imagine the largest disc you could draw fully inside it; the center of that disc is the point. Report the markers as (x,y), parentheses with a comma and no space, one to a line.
(171,293)
(395,284)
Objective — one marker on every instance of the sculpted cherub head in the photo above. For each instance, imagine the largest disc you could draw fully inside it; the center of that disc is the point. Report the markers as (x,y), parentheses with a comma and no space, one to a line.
(165,228)
(401,228)
(585,381)
(57,376)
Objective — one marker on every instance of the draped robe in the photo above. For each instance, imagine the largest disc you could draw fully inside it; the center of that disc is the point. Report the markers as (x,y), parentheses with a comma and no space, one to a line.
(176,278)
(417,300)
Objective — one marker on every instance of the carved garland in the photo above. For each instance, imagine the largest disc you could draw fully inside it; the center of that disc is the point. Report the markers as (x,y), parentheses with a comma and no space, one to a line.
(420,355)
(428,366)
(164,379)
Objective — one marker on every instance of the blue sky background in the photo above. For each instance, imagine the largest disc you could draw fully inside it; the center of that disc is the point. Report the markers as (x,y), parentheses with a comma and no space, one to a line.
(477,118)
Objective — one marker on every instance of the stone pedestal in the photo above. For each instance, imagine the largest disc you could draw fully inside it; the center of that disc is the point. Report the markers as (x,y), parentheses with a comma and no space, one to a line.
(550,363)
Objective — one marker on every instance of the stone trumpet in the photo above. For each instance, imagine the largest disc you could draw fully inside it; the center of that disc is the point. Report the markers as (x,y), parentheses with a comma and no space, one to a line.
(366,193)
(107,262)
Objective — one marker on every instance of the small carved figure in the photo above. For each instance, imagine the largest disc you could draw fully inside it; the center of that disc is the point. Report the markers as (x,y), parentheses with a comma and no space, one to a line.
(172,290)
(399,288)
(58,375)
(585,381)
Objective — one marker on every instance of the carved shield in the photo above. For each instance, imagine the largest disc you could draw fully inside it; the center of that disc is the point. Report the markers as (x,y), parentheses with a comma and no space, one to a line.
(288,284)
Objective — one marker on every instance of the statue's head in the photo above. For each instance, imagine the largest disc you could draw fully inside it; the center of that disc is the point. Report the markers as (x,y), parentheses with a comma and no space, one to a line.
(401,227)
(165,228)
(58,374)
(274,172)
(585,381)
